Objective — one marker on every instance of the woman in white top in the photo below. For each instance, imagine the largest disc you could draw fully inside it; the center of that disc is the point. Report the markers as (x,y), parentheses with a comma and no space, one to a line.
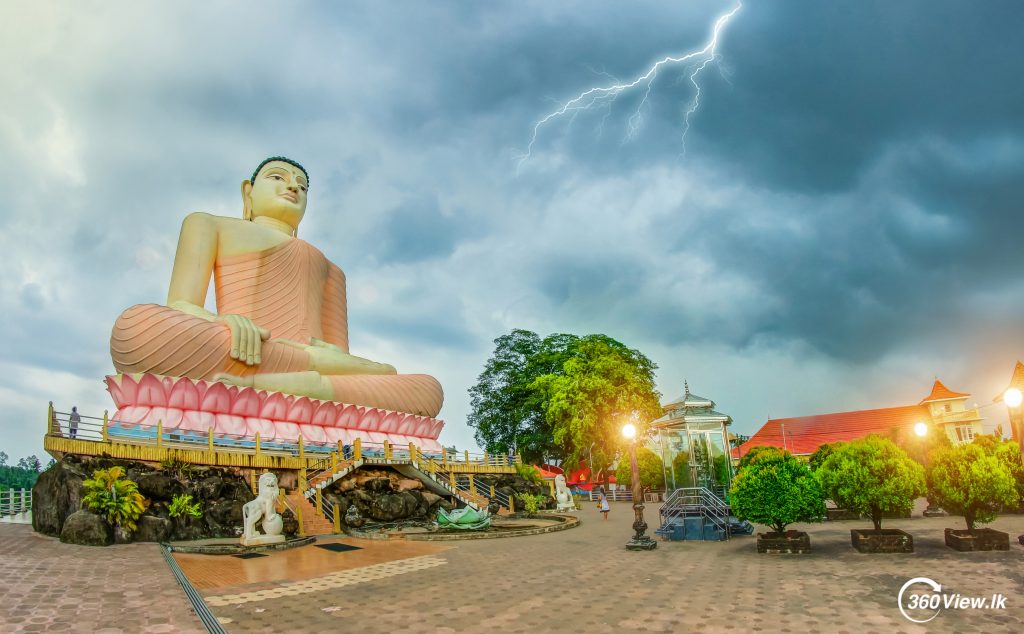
(602,504)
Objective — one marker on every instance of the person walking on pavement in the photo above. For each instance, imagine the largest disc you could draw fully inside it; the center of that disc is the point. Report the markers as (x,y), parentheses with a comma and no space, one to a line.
(602,504)
(73,421)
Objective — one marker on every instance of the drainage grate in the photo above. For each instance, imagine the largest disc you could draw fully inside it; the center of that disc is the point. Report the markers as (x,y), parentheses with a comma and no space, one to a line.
(213,626)
(249,555)
(338,548)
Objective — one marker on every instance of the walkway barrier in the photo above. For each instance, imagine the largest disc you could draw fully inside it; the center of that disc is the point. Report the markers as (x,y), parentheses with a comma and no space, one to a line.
(296,454)
(16,506)
(613,495)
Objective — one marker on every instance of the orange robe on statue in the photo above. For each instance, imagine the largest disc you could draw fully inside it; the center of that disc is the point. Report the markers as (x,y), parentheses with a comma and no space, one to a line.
(290,289)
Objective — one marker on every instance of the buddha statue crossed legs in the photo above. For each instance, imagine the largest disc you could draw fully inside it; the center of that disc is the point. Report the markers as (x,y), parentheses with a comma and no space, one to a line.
(281,322)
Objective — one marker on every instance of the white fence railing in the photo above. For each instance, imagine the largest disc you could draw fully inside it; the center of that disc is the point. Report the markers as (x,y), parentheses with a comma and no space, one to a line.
(613,495)
(16,505)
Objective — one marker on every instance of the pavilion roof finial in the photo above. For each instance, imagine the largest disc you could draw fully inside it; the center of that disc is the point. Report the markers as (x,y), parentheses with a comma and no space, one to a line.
(686,388)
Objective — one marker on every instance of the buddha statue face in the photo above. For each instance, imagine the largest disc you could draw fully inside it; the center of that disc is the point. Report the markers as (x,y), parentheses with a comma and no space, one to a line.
(278,192)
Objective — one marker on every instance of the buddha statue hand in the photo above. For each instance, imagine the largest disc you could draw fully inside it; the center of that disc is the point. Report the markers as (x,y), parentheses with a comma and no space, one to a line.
(246,338)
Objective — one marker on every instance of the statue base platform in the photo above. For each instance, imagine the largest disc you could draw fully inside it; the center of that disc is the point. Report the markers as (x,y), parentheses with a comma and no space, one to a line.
(261,540)
(645,543)
(191,407)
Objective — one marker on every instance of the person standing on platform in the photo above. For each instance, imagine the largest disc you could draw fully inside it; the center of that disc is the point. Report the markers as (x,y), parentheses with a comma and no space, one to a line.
(73,422)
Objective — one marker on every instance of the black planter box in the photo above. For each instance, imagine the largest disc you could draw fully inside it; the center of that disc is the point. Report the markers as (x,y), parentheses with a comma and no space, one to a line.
(790,542)
(887,540)
(978,539)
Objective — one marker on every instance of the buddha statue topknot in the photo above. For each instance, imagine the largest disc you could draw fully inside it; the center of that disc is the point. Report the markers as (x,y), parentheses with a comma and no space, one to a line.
(281,324)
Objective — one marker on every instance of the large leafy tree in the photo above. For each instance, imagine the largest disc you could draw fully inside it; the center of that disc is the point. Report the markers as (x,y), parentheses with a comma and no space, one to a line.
(603,385)
(507,411)
(775,489)
(970,481)
(532,389)
(650,466)
(872,476)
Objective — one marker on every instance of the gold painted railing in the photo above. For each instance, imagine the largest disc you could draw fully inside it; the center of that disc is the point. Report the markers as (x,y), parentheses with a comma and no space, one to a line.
(91,436)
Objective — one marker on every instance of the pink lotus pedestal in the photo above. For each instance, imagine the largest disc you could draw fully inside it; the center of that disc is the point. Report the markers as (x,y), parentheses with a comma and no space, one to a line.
(189,406)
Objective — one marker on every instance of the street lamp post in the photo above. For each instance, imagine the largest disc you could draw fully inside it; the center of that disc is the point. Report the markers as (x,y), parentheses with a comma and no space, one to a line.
(1013,399)
(640,540)
(921,429)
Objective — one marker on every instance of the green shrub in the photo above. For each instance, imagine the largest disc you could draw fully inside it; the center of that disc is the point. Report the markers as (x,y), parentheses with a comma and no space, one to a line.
(651,469)
(969,481)
(776,490)
(182,505)
(112,495)
(529,473)
(754,452)
(1008,452)
(872,476)
(531,502)
(820,454)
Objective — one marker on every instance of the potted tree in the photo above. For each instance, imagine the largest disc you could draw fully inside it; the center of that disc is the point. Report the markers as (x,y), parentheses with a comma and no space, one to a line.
(872,476)
(775,489)
(970,481)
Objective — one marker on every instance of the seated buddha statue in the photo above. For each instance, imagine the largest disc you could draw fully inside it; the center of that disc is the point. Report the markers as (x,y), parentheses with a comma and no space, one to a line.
(282,321)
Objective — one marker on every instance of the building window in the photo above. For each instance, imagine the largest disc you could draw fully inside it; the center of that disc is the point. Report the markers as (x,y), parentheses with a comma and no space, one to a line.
(949,407)
(965,433)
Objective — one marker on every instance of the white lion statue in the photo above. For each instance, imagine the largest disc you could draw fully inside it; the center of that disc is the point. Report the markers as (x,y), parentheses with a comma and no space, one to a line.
(263,508)
(563,496)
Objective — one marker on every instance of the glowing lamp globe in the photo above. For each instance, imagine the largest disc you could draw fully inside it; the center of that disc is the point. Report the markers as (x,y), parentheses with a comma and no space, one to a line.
(921,429)
(629,431)
(1013,397)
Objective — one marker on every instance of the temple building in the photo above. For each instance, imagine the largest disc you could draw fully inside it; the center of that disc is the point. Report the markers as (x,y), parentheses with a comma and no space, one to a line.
(942,409)
(692,440)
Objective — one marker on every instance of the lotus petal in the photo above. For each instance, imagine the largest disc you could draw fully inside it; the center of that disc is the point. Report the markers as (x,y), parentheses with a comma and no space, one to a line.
(170,417)
(389,422)
(348,417)
(370,419)
(199,422)
(122,389)
(286,432)
(313,434)
(336,434)
(150,392)
(132,415)
(300,411)
(264,426)
(184,395)
(230,425)
(326,414)
(247,403)
(217,399)
(275,407)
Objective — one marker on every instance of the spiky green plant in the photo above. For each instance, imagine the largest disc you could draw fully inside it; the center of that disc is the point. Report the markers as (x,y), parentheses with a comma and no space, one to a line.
(110,494)
(182,505)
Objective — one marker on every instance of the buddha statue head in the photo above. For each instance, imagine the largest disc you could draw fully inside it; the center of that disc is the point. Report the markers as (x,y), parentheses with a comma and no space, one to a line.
(277,190)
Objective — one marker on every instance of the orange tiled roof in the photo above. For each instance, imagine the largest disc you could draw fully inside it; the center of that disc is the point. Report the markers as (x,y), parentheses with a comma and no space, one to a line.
(941,392)
(804,434)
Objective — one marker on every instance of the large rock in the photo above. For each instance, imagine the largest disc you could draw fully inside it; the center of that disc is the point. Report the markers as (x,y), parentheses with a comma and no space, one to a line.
(224,517)
(87,529)
(158,485)
(152,528)
(57,494)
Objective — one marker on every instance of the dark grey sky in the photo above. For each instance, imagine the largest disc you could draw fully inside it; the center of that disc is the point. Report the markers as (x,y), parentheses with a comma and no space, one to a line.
(843,226)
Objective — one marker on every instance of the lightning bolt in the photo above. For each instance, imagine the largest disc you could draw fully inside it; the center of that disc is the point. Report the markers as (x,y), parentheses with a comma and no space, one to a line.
(605,95)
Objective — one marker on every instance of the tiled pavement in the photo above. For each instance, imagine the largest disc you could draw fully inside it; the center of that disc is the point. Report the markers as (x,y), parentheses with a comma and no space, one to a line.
(47,586)
(583,580)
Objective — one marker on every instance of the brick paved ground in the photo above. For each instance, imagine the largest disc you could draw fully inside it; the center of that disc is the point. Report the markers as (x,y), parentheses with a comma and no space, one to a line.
(581,580)
(47,586)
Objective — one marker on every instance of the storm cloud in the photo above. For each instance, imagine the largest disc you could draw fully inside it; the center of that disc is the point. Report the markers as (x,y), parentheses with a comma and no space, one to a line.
(843,225)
